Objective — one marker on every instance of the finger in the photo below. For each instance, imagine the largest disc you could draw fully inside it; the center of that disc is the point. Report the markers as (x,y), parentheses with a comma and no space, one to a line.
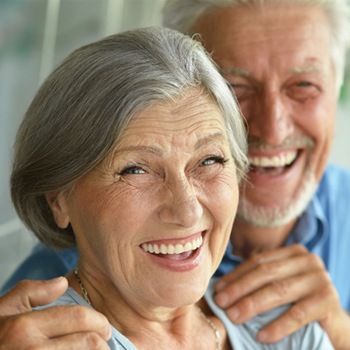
(260,259)
(273,273)
(68,342)
(296,317)
(28,294)
(52,323)
(315,288)
(69,319)
(289,322)
(77,341)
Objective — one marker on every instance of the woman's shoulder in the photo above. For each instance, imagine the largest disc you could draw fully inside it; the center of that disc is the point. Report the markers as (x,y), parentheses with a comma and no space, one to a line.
(117,342)
(243,336)
(70,297)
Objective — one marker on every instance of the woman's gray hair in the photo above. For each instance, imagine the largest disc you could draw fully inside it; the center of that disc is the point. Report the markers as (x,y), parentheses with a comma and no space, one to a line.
(78,114)
(183,14)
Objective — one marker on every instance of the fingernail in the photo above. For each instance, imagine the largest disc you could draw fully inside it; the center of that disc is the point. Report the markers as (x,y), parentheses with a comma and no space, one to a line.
(110,333)
(233,314)
(55,280)
(220,284)
(222,300)
(262,336)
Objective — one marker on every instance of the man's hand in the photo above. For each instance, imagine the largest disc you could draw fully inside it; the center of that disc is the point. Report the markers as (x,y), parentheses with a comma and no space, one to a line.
(289,275)
(61,327)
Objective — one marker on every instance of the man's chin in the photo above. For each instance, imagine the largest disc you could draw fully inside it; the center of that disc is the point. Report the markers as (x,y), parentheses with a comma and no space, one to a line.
(264,216)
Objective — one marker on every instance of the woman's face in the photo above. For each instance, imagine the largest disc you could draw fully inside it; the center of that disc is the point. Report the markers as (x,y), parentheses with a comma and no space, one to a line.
(154,220)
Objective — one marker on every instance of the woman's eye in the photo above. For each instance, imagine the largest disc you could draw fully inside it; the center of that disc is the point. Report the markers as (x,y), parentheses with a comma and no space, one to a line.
(213,160)
(132,170)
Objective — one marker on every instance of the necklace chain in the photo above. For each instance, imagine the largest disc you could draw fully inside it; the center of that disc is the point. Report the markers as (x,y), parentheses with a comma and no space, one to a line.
(201,313)
(213,327)
(83,290)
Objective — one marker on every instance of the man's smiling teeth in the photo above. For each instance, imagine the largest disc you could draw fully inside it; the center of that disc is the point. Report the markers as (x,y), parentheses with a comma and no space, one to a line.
(277,161)
(171,248)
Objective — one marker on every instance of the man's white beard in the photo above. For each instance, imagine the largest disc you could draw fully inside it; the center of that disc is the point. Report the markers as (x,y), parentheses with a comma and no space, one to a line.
(277,216)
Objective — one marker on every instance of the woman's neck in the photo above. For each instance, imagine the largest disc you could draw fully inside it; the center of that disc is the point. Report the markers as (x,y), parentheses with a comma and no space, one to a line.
(151,328)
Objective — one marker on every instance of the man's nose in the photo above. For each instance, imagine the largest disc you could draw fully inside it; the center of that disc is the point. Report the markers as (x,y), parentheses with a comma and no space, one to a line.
(180,205)
(271,118)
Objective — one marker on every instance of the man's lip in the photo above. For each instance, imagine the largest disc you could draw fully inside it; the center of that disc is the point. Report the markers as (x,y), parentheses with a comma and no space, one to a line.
(271,176)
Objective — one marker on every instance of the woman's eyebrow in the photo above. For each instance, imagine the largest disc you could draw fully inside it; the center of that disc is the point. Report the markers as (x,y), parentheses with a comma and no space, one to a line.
(218,136)
(153,150)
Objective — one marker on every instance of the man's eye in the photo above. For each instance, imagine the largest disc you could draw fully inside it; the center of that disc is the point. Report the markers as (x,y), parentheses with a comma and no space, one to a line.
(132,170)
(213,160)
(303,90)
(304,84)
(242,91)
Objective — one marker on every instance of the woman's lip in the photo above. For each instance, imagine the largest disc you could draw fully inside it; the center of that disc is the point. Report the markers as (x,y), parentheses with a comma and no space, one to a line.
(176,263)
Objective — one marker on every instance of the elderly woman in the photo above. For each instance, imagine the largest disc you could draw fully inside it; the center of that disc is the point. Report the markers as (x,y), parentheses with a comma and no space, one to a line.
(132,150)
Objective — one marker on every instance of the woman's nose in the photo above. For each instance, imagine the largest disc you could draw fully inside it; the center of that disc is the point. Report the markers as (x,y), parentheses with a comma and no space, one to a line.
(180,205)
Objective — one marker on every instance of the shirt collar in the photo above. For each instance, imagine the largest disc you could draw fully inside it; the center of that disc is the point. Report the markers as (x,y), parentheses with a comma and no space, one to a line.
(310,230)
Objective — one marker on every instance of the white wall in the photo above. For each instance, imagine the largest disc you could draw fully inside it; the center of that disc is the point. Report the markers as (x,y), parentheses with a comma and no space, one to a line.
(34,36)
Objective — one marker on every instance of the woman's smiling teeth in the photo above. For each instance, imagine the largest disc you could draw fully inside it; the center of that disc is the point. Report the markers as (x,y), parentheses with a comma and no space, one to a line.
(172,248)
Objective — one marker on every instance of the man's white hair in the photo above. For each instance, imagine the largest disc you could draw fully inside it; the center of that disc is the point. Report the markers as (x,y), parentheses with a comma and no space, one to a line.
(183,14)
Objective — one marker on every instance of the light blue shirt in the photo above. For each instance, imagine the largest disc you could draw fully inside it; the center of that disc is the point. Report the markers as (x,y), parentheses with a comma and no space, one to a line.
(324,228)
(241,337)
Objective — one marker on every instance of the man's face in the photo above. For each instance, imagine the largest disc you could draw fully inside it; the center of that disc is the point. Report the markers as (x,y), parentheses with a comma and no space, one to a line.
(277,59)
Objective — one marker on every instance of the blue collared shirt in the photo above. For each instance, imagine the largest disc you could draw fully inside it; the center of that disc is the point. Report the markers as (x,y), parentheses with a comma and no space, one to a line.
(324,228)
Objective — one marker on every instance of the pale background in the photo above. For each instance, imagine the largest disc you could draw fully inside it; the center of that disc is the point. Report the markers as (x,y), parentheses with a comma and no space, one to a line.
(37,34)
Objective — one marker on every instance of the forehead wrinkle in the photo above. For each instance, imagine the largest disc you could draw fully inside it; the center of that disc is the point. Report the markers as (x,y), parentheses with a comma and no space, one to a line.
(197,100)
(212,138)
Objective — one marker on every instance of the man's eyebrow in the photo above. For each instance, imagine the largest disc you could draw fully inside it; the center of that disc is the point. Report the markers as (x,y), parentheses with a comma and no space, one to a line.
(309,68)
(235,71)
(245,73)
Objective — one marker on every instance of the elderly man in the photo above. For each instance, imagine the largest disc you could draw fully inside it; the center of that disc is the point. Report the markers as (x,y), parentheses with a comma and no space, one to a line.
(285,61)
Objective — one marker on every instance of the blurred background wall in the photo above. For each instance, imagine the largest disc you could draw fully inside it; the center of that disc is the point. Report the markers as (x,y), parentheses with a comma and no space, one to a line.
(37,34)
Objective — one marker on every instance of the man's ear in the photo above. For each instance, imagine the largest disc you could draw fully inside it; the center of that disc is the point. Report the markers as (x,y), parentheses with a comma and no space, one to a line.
(59,208)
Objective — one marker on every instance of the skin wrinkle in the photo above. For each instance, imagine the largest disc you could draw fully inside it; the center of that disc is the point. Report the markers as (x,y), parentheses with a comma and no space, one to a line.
(180,191)
(272,102)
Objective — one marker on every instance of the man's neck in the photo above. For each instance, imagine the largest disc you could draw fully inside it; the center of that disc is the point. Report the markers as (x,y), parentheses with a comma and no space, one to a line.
(248,240)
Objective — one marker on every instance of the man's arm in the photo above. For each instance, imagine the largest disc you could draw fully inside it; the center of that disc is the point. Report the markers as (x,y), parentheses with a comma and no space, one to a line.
(42,264)
(289,275)
(61,327)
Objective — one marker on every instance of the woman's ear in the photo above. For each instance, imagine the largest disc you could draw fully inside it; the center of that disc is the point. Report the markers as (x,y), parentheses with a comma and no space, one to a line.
(59,208)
